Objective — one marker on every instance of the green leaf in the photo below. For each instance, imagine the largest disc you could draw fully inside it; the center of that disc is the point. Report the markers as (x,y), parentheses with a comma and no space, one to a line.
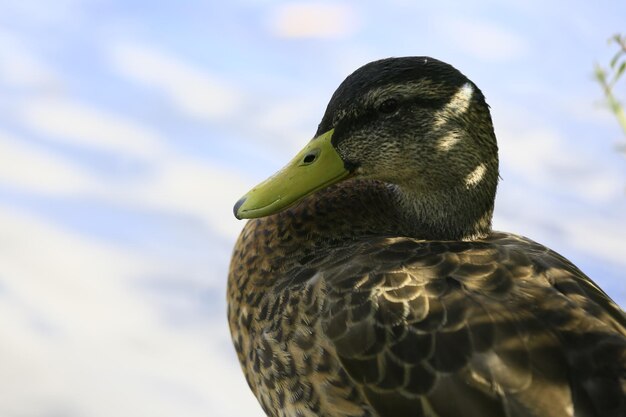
(600,75)
(618,39)
(620,71)
(614,60)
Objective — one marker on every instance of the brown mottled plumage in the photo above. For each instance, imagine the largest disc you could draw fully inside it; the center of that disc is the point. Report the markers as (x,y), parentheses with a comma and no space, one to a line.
(388,294)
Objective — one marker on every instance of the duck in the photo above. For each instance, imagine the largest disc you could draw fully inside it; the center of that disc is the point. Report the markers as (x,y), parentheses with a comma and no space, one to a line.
(368,281)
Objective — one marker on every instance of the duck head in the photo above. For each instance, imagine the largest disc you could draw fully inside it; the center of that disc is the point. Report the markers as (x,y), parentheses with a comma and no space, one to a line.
(414,123)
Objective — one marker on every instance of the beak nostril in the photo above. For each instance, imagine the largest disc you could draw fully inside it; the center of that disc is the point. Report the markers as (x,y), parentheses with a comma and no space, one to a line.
(310,157)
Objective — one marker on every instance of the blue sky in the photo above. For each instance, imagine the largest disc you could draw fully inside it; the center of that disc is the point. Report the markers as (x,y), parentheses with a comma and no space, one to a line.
(129,129)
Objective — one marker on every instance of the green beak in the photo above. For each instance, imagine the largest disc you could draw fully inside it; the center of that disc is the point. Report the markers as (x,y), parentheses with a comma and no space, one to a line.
(316,166)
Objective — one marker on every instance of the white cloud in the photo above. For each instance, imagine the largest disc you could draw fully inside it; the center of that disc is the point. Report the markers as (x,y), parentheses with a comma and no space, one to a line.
(598,235)
(542,156)
(481,39)
(288,124)
(82,124)
(191,187)
(176,184)
(536,150)
(19,67)
(313,20)
(31,168)
(193,90)
(585,108)
(539,215)
(78,340)
(174,181)
(43,13)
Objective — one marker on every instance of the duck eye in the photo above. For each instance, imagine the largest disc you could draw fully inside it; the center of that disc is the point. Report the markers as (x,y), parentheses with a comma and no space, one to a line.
(388,106)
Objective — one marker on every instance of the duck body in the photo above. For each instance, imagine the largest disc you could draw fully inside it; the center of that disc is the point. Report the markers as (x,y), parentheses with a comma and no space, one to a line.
(358,301)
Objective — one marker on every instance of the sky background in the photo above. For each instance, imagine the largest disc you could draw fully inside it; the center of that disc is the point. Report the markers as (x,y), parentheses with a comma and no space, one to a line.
(128,129)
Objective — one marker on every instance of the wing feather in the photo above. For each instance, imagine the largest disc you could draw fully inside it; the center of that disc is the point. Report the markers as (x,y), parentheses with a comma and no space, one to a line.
(502,326)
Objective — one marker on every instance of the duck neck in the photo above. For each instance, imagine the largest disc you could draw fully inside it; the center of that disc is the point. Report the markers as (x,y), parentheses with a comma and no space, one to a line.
(453,214)
(359,208)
